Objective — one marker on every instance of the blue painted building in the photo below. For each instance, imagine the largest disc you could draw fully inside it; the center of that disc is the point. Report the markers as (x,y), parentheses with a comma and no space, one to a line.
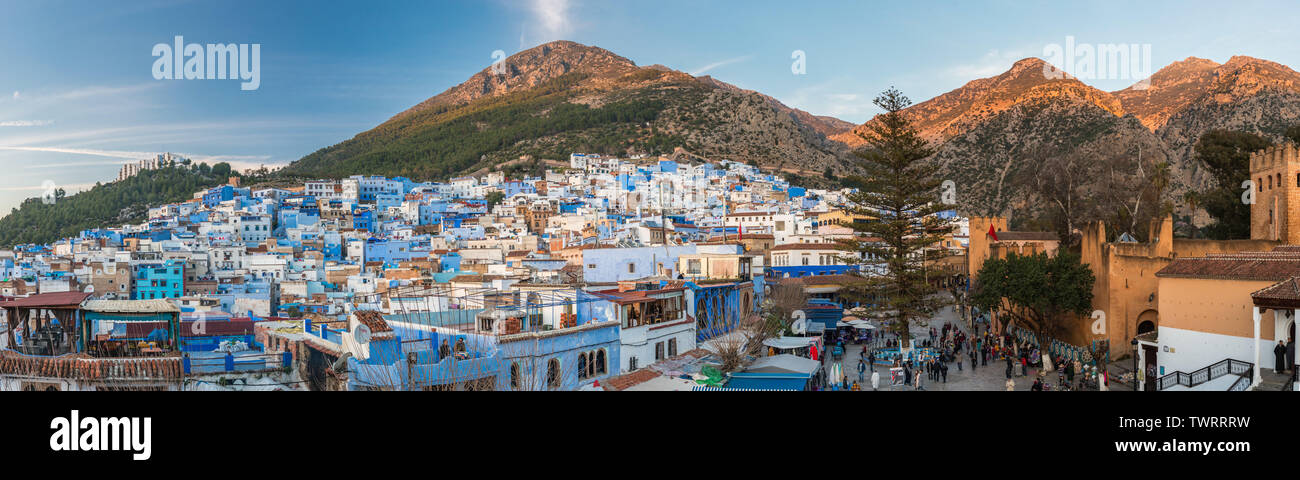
(216,195)
(363,219)
(719,307)
(159,280)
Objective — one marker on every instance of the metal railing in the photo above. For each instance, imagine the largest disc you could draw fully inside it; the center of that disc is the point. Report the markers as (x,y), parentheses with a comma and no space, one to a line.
(1218,369)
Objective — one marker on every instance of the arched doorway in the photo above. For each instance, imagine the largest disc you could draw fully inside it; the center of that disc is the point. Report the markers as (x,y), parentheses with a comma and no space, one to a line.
(1147,322)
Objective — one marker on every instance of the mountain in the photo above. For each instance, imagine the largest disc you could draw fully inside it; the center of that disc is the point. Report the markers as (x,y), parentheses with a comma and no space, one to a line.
(1167,91)
(1002,138)
(824,125)
(564,97)
(965,108)
(1245,94)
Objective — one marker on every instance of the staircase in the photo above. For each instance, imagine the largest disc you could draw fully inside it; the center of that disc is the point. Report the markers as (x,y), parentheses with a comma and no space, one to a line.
(1273,382)
(1218,369)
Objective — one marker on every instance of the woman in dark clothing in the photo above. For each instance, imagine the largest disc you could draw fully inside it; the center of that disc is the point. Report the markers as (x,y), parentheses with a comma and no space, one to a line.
(1279,356)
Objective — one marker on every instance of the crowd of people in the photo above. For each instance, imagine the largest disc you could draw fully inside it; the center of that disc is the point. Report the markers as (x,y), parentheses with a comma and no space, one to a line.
(948,346)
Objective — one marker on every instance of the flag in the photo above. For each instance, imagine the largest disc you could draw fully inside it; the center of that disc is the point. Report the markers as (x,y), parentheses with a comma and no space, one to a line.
(993,233)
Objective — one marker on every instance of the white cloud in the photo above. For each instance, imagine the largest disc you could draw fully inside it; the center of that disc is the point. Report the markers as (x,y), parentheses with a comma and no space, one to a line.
(25,123)
(100,91)
(552,18)
(15,94)
(711,66)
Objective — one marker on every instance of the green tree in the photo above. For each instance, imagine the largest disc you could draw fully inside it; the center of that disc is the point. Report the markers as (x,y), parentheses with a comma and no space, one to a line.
(1039,292)
(493,198)
(221,170)
(1226,154)
(1293,133)
(900,190)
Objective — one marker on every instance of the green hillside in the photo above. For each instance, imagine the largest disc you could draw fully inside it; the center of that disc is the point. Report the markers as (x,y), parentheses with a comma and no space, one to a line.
(106,205)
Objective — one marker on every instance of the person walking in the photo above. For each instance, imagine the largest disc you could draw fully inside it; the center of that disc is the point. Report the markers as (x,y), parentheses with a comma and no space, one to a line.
(1010,372)
(862,369)
(1279,357)
(943,370)
(875,380)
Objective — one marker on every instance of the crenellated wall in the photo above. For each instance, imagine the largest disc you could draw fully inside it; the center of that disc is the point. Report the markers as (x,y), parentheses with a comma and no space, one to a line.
(1127,290)
(1275,172)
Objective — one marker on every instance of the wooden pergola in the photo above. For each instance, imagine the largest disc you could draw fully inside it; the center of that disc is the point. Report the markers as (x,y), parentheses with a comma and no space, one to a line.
(62,306)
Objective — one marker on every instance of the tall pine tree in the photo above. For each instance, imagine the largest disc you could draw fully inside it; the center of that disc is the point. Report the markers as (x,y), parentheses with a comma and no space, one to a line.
(899,191)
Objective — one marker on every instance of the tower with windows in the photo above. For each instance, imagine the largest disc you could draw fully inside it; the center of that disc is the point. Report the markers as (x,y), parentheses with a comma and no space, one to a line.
(1275,177)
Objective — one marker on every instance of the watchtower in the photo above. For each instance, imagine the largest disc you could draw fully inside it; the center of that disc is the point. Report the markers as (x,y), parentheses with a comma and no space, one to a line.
(1275,172)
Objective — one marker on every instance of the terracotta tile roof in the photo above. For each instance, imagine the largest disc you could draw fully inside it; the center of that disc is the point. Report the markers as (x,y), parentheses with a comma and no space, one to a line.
(374,320)
(1274,266)
(1283,294)
(629,380)
(83,367)
(56,299)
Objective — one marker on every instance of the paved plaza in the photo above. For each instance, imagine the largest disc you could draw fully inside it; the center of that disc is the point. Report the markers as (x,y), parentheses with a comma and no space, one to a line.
(990,378)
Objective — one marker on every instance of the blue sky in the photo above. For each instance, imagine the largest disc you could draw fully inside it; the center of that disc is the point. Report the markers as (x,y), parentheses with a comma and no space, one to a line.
(78,99)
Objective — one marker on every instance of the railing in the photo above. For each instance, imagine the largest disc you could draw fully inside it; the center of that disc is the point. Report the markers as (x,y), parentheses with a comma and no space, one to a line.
(1223,367)
(1241,385)
(231,363)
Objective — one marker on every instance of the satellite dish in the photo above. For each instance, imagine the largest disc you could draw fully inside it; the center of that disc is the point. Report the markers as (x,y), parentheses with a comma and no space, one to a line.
(361,334)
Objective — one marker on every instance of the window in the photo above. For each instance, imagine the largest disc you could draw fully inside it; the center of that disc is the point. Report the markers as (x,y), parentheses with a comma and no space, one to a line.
(631,363)
(514,375)
(553,373)
(582,366)
(659,351)
(631,268)
(672,347)
(600,361)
